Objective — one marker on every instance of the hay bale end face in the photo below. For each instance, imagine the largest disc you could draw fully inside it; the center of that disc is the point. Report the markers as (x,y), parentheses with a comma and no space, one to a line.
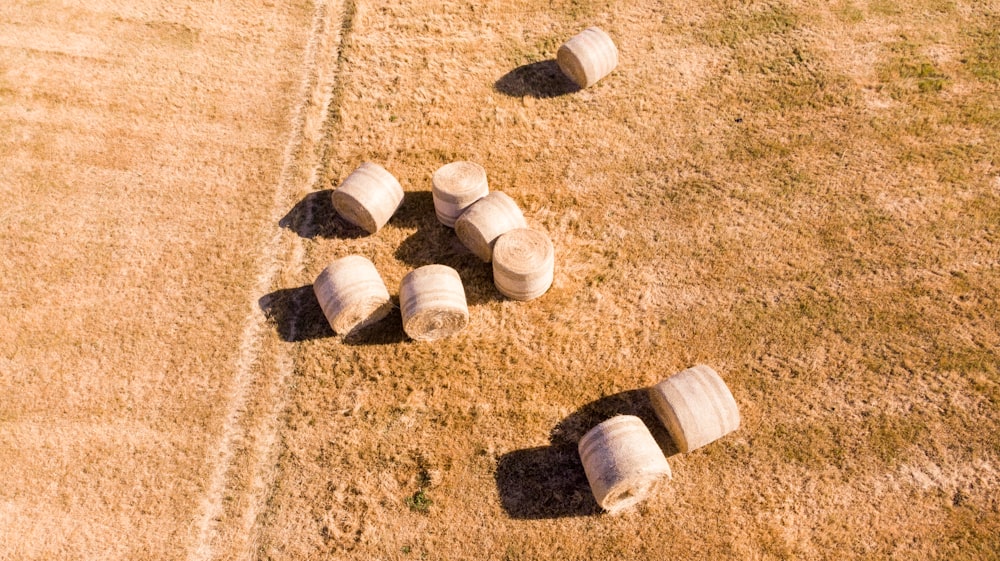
(368,197)
(588,56)
(486,220)
(695,406)
(454,187)
(352,294)
(523,264)
(623,462)
(432,301)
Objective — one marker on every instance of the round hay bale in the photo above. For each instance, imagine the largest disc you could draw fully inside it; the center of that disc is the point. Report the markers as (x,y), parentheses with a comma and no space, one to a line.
(696,406)
(352,294)
(623,462)
(368,197)
(454,187)
(523,264)
(432,300)
(588,56)
(486,220)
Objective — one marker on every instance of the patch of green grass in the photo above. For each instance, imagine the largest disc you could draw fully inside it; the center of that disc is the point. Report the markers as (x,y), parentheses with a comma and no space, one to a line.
(419,502)
(983,60)
(909,72)
(929,79)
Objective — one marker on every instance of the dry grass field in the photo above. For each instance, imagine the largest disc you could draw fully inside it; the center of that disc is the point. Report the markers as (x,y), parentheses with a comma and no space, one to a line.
(804,195)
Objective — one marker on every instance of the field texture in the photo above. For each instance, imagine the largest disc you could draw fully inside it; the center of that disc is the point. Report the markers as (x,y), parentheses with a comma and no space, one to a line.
(804,195)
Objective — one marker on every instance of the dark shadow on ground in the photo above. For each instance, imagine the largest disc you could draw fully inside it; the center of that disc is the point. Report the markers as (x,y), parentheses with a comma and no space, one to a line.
(296,314)
(315,217)
(416,211)
(387,331)
(544,482)
(434,242)
(539,79)
(549,481)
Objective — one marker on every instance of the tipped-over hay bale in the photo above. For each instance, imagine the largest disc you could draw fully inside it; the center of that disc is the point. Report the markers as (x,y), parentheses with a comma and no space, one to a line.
(696,406)
(486,220)
(432,300)
(352,294)
(523,264)
(623,462)
(588,56)
(454,187)
(368,197)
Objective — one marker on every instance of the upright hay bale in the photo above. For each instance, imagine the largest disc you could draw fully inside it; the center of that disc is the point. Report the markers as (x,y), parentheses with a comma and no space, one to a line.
(523,264)
(623,462)
(368,197)
(352,294)
(454,187)
(696,407)
(588,56)
(432,300)
(486,220)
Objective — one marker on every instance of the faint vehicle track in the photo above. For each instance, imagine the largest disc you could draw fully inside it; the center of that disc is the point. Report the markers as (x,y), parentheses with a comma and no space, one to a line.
(243,462)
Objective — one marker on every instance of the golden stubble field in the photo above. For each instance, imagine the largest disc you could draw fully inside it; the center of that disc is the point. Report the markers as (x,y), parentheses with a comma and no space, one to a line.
(804,195)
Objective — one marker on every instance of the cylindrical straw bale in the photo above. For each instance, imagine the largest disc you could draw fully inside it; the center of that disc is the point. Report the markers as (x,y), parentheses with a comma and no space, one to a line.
(696,406)
(432,300)
(368,197)
(623,462)
(523,264)
(454,187)
(588,56)
(352,294)
(486,220)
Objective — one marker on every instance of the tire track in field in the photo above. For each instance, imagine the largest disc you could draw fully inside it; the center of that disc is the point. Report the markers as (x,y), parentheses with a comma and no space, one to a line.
(257,398)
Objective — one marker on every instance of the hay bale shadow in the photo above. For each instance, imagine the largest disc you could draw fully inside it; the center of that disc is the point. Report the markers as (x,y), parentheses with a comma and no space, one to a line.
(315,217)
(539,79)
(570,430)
(387,331)
(435,243)
(549,481)
(544,482)
(296,314)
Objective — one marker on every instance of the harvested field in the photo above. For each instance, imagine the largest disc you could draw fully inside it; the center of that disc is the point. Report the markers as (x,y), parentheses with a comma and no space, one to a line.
(805,196)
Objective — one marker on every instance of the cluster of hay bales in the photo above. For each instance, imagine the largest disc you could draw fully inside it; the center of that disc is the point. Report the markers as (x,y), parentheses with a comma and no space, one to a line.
(490,224)
(622,460)
(353,295)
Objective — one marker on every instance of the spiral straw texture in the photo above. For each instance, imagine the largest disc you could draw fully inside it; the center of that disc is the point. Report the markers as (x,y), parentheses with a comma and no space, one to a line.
(352,294)
(696,406)
(588,56)
(454,187)
(368,197)
(432,300)
(623,462)
(486,220)
(523,264)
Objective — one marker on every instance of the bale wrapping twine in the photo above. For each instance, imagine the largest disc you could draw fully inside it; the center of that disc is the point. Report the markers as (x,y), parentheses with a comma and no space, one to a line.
(486,220)
(368,197)
(352,294)
(432,300)
(588,56)
(454,187)
(696,406)
(623,462)
(523,264)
